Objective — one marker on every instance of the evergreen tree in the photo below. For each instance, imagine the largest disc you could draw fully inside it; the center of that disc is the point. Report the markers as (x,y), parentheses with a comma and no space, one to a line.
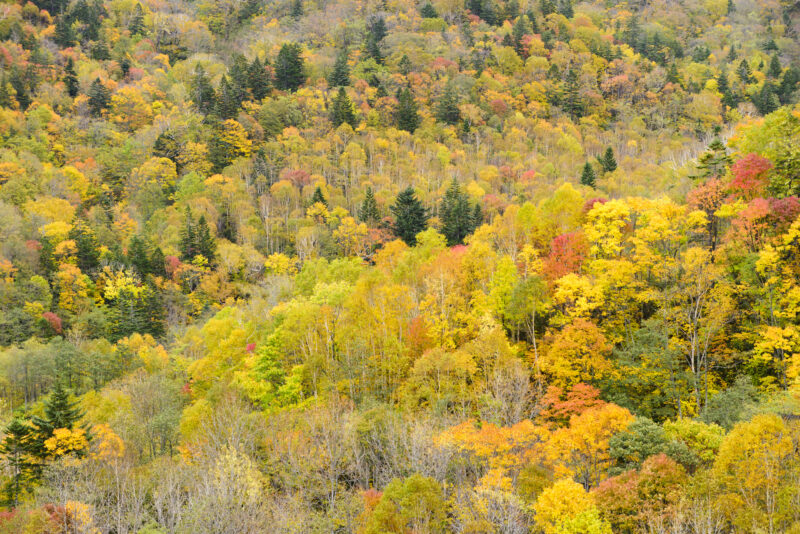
(59,412)
(428,11)
(342,110)
(766,100)
(725,90)
(203,94)
(167,146)
(732,55)
(547,7)
(788,85)
(373,49)
(188,238)
(456,215)
(258,80)
(377,28)
(744,72)
(318,197)
(63,35)
(21,83)
(587,175)
(290,67)
(6,100)
(447,108)
(99,97)
(70,78)
(607,161)
(406,116)
(566,9)
(404,65)
(100,51)
(369,208)
(297,9)
(731,7)
(125,66)
(17,448)
(775,70)
(571,101)
(227,101)
(672,74)
(410,216)
(158,266)
(136,25)
(518,32)
(477,217)
(87,249)
(714,162)
(206,246)
(137,256)
(340,76)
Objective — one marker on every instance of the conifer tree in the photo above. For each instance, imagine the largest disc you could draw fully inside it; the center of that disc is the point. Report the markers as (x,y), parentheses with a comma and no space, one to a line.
(318,197)
(6,100)
(788,85)
(518,32)
(714,162)
(340,76)
(369,208)
(158,265)
(297,9)
(342,110)
(447,108)
(672,74)
(290,67)
(258,80)
(744,72)
(188,238)
(410,216)
(125,66)
(477,216)
(775,70)
(86,245)
(63,35)
(17,449)
(136,25)
(59,412)
(407,116)
(206,246)
(572,102)
(404,65)
(373,49)
(607,161)
(70,78)
(227,102)
(456,215)
(203,94)
(587,175)
(428,11)
(99,97)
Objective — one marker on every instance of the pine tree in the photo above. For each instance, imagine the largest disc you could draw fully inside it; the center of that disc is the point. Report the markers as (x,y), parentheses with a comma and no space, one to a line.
(6,100)
(188,238)
(518,32)
(318,197)
(373,49)
(258,80)
(714,162)
(342,110)
(158,266)
(744,72)
(340,76)
(766,100)
(428,11)
(788,85)
(137,256)
(672,74)
(23,467)
(125,66)
(404,65)
(99,97)
(456,215)
(59,412)
(290,67)
(206,246)
(477,217)
(547,7)
(136,25)
(297,9)
(447,108)
(572,102)
(587,175)
(607,161)
(731,7)
(203,94)
(377,28)
(87,248)
(369,208)
(227,101)
(732,55)
(775,70)
(410,216)
(566,9)
(70,78)
(406,115)
(63,35)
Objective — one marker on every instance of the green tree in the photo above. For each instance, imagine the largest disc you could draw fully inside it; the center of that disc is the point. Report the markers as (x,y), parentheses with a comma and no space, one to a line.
(290,67)
(99,97)
(414,504)
(456,214)
(340,76)
(206,245)
(71,78)
(227,100)
(714,162)
(571,100)
(88,252)
(342,109)
(203,94)
(318,197)
(775,70)
(607,161)
(447,110)
(410,216)
(428,11)
(587,175)
(258,80)
(17,449)
(188,238)
(744,72)
(64,36)
(406,115)
(136,25)
(138,257)
(297,10)
(369,208)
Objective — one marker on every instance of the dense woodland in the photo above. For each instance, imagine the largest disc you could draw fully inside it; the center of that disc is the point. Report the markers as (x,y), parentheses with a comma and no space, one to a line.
(383,266)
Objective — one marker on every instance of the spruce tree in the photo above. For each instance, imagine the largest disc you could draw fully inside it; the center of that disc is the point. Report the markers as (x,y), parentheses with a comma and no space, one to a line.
(571,101)
(63,35)
(340,76)
(766,100)
(775,70)
(456,215)
(59,412)
(6,99)
(99,97)
(404,65)
(428,11)
(373,49)
(714,162)
(17,448)
(547,7)
(410,216)
(125,66)
(447,108)
(369,208)
(290,67)
(587,175)
(377,28)
(70,78)
(206,246)
(406,116)
(227,102)
(518,32)
(607,161)
(342,110)
(188,239)
(477,217)
(136,26)
(672,74)
(788,85)
(297,9)
(203,94)
(137,256)
(158,266)
(87,248)
(744,72)
(258,80)
(318,197)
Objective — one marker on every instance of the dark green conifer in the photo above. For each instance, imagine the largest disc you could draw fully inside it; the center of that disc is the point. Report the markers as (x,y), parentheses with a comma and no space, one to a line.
(71,78)
(407,116)
(587,175)
(369,208)
(342,110)
(340,76)
(290,67)
(447,108)
(410,216)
